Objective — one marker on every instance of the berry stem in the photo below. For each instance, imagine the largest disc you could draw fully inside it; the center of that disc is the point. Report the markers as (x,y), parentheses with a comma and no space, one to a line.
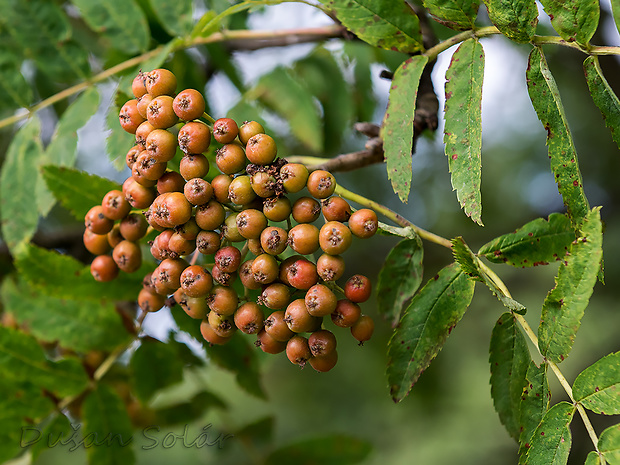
(208,117)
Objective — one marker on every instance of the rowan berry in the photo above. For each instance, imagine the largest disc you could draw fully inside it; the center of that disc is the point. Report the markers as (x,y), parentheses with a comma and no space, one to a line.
(162,144)
(138,85)
(228,259)
(268,344)
(320,300)
(298,351)
(194,137)
(130,117)
(209,334)
(230,158)
(115,236)
(263,184)
(249,318)
(274,240)
(251,223)
(142,132)
(363,328)
(172,209)
(265,269)
(132,155)
(104,268)
(160,114)
(150,301)
(364,223)
(277,208)
(321,184)
(96,221)
(336,209)
(322,342)
(160,82)
(198,191)
(334,237)
(97,244)
(220,184)
(261,149)
(306,210)
(179,246)
(143,103)
(223,300)
(247,276)
(189,104)
(324,364)
(137,195)
(148,168)
(225,130)
(358,288)
(240,190)
(304,238)
(346,313)
(188,230)
(298,319)
(133,227)
(249,129)
(194,307)
(210,216)
(208,242)
(229,229)
(277,328)
(275,296)
(194,165)
(294,177)
(128,256)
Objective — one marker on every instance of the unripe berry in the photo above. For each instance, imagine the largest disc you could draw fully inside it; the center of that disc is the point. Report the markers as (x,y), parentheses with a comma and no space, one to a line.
(247,276)
(97,244)
(133,227)
(230,158)
(220,184)
(96,221)
(255,247)
(196,281)
(346,313)
(137,195)
(230,231)
(277,208)
(274,240)
(251,223)
(168,273)
(320,300)
(306,210)
(298,351)
(321,184)
(334,238)
(358,288)
(132,156)
(222,277)
(223,325)
(142,134)
(324,364)
(194,165)
(189,104)
(188,230)
(138,85)
(265,269)
(128,256)
(194,307)
(143,103)
(249,318)
(160,82)
(364,223)
(240,191)
(210,216)
(103,268)
(363,328)
(194,137)
(261,149)
(115,236)
(275,296)
(225,130)
(208,242)
(294,177)
(263,184)
(304,238)
(249,129)
(130,117)
(160,113)
(322,342)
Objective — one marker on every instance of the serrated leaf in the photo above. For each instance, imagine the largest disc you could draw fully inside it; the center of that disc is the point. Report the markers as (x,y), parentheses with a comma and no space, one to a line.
(471,265)
(23,360)
(397,128)
(399,278)
(154,366)
(337,449)
(43,32)
(121,22)
(538,242)
(387,230)
(118,141)
(597,387)
(574,20)
(282,93)
(565,304)
(546,100)
(509,359)
(185,412)
(551,441)
(593,459)
(62,150)
(609,444)
(603,96)
(77,191)
(55,429)
(107,424)
(425,326)
(389,25)
(463,125)
(66,278)
(75,324)
(534,404)
(516,19)
(455,14)
(21,405)
(13,85)
(240,358)
(175,17)
(18,207)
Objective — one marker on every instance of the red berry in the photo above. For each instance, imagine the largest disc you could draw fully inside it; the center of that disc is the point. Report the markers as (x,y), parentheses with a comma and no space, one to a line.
(358,288)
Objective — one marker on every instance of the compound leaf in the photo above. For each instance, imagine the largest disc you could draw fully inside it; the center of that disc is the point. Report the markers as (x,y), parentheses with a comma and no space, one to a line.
(337,449)
(598,386)
(389,25)
(534,404)
(551,440)
(545,98)
(609,444)
(463,125)
(18,207)
(175,17)
(13,85)
(425,326)
(77,191)
(509,359)
(574,20)
(62,150)
(399,278)
(154,366)
(22,360)
(565,304)
(107,428)
(536,243)
(397,128)
(75,324)
(455,14)
(516,19)
(603,96)
(121,22)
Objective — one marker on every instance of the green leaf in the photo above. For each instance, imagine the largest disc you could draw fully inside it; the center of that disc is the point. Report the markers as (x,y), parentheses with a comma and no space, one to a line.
(57,427)
(455,14)
(21,405)
(545,98)
(509,360)
(389,25)
(536,243)
(77,191)
(394,231)
(258,435)
(18,207)
(609,444)
(66,278)
(13,85)
(597,387)
(603,96)
(574,20)
(239,357)
(534,404)
(397,128)
(593,459)
(107,424)
(516,19)
(75,324)
(463,125)
(288,98)
(399,278)
(23,360)
(185,412)
(62,150)
(615,9)
(175,17)
(336,449)
(565,304)
(43,31)
(551,441)
(121,22)
(154,366)
(471,265)
(425,326)
(118,141)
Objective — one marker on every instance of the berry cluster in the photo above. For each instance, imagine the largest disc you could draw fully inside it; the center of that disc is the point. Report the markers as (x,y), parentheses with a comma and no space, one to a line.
(215,224)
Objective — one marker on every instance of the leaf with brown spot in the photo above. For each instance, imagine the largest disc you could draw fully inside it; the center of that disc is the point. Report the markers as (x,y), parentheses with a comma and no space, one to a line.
(551,441)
